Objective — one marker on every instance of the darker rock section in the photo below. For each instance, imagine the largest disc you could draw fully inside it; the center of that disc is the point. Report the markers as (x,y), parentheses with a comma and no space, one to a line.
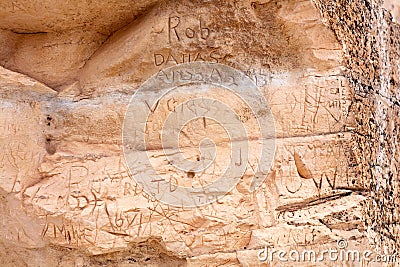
(371,41)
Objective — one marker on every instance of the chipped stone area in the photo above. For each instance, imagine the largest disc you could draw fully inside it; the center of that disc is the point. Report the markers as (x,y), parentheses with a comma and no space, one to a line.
(328,70)
(372,54)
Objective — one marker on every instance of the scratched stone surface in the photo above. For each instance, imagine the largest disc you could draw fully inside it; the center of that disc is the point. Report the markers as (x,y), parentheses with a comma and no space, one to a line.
(376,87)
(67,195)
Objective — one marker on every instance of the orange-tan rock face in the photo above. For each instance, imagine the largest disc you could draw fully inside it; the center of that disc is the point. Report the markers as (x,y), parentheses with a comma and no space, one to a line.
(67,195)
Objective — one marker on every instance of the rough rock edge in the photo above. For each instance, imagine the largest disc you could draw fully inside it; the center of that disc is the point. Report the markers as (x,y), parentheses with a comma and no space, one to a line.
(371,43)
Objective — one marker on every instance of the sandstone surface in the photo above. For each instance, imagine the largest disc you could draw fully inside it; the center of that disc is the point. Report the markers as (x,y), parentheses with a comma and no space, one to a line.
(329,71)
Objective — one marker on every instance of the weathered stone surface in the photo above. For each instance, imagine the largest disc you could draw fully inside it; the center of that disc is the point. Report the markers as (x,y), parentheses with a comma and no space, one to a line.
(372,56)
(55,39)
(67,196)
(394,8)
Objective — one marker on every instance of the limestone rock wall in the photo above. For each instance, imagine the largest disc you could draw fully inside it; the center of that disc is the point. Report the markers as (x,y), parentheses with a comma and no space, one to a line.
(370,36)
(328,69)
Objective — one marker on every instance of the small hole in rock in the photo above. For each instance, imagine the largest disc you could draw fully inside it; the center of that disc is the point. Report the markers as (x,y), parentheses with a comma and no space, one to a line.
(51,150)
(190,174)
(147,259)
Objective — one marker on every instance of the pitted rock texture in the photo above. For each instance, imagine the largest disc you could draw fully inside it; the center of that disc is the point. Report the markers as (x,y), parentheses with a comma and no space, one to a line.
(372,54)
(328,69)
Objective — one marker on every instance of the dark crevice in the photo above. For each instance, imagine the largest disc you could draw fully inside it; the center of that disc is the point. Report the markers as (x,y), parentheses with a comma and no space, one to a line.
(27,32)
